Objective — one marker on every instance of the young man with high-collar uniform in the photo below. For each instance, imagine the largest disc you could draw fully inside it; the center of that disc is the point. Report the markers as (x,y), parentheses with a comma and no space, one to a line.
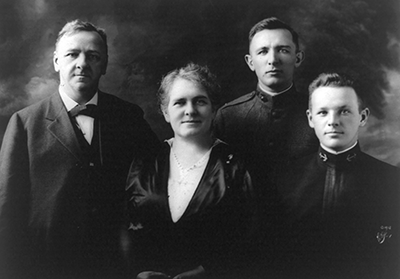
(342,206)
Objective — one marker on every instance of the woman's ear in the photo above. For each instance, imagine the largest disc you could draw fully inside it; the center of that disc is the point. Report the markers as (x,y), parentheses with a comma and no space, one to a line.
(166,115)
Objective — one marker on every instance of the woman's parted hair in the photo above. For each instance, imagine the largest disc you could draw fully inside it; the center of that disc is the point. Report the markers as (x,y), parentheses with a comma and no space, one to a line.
(199,75)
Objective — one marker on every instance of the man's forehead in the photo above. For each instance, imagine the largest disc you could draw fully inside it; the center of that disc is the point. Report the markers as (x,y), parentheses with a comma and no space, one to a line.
(275,36)
(79,37)
(327,95)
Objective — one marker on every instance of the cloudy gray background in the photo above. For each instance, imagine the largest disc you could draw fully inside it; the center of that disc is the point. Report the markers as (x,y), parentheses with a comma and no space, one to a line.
(150,37)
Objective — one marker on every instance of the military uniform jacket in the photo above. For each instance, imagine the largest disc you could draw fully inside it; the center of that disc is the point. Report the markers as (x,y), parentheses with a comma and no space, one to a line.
(341,217)
(267,131)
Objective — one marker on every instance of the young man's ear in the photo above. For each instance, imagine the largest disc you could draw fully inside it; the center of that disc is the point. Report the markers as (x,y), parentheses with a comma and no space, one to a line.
(364,116)
(300,56)
(249,61)
(309,117)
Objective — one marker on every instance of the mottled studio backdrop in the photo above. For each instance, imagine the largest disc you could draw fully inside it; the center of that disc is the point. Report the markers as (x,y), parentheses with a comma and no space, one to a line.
(150,37)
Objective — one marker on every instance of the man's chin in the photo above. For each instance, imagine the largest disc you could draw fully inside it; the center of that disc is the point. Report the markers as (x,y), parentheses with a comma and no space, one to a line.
(82,86)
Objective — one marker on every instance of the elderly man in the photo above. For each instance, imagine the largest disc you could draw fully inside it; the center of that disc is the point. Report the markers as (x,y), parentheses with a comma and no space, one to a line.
(63,165)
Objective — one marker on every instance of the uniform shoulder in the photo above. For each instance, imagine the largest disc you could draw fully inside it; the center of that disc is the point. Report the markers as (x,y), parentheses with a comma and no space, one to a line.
(241,100)
(227,153)
(379,164)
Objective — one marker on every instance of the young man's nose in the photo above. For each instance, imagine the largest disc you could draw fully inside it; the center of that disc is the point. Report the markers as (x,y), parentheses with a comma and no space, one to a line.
(272,57)
(333,120)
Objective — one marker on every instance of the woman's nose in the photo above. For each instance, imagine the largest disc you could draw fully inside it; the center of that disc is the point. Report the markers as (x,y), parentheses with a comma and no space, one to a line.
(190,109)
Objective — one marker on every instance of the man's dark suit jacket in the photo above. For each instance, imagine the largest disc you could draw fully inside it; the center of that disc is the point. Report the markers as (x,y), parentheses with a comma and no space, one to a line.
(60,218)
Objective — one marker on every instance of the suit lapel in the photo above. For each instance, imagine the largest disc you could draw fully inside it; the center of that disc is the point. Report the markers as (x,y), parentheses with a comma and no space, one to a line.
(60,125)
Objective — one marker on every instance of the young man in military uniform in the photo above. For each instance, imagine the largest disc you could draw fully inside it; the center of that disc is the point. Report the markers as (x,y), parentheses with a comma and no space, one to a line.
(342,205)
(267,126)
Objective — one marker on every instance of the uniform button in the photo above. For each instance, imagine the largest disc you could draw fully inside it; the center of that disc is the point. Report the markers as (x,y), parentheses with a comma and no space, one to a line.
(276,114)
(271,143)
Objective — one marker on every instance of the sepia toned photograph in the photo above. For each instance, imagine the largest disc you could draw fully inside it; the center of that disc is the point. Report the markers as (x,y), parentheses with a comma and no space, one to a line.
(216,139)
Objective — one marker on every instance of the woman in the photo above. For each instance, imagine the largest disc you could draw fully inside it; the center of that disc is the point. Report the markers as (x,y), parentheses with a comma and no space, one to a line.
(189,207)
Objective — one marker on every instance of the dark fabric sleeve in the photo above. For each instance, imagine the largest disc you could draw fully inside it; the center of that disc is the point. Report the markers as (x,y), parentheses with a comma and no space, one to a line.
(14,192)
(147,141)
(232,241)
(219,125)
(138,233)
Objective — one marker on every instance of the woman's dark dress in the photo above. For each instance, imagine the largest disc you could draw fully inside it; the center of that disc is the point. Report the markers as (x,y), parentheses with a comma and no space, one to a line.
(211,232)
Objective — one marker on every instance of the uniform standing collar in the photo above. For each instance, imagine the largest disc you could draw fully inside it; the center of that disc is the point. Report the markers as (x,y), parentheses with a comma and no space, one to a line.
(335,160)
(273,93)
(284,99)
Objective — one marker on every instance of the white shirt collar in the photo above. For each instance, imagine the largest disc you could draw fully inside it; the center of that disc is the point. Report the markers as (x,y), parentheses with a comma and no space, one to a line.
(70,104)
(274,93)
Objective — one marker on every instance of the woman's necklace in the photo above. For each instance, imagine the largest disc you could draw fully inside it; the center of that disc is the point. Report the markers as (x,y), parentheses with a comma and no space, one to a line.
(185,171)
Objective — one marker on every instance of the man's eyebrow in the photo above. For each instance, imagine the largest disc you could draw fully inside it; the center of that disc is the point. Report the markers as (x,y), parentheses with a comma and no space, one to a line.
(337,108)
(278,46)
(283,46)
(71,49)
(262,48)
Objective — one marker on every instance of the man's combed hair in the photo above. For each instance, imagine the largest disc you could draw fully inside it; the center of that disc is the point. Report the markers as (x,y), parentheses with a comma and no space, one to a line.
(334,80)
(79,25)
(199,75)
(272,23)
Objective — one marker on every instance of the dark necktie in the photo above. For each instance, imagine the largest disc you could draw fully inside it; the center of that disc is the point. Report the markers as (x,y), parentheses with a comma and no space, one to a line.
(88,110)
